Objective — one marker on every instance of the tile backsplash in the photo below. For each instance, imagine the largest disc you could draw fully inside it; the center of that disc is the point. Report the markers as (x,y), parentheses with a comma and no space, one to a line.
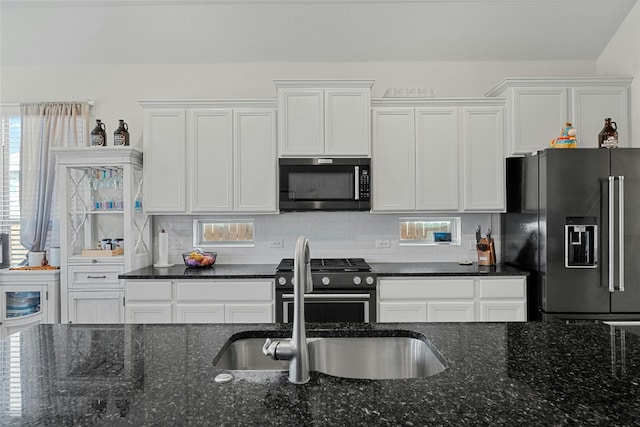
(331,235)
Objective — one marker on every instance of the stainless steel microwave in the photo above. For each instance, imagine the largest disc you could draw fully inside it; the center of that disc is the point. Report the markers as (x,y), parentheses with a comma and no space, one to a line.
(325,184)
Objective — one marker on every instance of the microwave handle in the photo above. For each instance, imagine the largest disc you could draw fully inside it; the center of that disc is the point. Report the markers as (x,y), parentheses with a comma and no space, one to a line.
(356,175)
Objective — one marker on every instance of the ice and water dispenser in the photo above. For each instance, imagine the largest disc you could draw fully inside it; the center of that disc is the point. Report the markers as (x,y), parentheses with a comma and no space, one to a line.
(580,242)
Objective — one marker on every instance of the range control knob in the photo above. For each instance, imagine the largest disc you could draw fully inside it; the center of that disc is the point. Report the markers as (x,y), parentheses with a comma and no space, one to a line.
(282,281)
(369,280)
(357,280)
(325,281)
(293,281)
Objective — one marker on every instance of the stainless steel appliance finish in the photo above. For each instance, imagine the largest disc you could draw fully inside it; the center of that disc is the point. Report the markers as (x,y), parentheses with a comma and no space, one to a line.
(571,221)
(296,350)
(347,357)
(344,290)
(325,184)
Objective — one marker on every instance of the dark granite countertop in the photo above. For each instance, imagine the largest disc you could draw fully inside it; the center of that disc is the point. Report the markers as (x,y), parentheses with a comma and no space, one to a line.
(217,271)
(267,271)
(498,374)
(385,269)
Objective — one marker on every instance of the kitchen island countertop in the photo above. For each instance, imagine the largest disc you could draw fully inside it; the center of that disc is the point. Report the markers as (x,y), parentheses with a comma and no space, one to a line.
(499,374)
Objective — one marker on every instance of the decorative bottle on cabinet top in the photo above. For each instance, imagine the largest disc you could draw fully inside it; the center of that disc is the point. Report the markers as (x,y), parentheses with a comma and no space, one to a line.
(121,135)
(99,134)
(608,137)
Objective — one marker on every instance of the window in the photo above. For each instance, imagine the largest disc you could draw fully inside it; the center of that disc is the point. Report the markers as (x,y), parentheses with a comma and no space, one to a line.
(430,231)
(10,181)
(223,232)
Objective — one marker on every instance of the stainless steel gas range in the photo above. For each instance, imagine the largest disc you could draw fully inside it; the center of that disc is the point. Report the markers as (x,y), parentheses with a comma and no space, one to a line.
(344,290)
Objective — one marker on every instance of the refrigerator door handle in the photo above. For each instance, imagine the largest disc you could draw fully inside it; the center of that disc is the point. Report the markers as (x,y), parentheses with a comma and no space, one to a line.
(621,233)
(611,231)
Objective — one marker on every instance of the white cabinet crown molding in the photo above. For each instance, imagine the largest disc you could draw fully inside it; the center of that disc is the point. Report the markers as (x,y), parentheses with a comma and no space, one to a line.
(208,103)
(323,83)
(510,82)
(438,102)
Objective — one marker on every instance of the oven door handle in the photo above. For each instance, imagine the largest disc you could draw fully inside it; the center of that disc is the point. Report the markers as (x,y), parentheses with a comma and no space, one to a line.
(325,296)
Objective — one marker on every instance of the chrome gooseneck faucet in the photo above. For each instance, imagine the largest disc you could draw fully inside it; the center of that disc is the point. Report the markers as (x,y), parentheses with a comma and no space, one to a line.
(296,351)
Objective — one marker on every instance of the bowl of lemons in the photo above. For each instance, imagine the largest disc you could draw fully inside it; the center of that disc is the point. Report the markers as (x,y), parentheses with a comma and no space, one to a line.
(199,258)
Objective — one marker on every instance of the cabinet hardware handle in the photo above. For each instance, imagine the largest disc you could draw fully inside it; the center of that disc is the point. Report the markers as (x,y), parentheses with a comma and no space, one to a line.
(611,231)
(621,233)
(96,277)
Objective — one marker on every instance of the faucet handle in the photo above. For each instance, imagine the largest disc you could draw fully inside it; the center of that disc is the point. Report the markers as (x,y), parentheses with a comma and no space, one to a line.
(269,348)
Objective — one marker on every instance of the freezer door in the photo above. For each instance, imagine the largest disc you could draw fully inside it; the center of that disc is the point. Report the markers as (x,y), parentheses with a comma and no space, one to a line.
(625,162)
(572,186)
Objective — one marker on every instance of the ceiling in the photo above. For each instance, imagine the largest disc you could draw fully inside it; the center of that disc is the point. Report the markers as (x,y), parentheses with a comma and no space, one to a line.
(90,32)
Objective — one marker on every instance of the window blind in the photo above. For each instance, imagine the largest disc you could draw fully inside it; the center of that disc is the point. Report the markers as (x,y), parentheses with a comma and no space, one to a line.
(10,183)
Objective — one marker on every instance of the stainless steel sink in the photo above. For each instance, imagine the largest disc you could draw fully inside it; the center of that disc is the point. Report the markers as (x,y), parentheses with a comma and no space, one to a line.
(246,354)
(362,357)
(374,358)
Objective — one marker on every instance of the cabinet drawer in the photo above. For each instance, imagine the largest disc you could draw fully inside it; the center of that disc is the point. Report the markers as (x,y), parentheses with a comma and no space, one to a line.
(148,291)
(198,290)
(507,288)
(86,277)
(403,289)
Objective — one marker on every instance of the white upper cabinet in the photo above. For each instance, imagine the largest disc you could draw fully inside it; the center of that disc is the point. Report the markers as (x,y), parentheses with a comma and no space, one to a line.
(225,151)
(324,117)
(438,155)
(255,160)
(393,159)
(538,108)
(483,159)
(209,132)
(164,147)
(437,158)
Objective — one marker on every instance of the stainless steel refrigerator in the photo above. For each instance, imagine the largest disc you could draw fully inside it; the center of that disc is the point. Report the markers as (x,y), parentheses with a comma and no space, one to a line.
(573,222)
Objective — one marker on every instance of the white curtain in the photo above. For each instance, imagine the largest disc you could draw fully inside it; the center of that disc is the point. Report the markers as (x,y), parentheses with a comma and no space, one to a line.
(44,126)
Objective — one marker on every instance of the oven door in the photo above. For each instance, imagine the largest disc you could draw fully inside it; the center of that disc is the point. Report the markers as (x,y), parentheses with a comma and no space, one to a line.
(330,306)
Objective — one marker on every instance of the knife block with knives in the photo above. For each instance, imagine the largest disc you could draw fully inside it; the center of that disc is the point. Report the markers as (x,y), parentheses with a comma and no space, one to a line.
(485,248)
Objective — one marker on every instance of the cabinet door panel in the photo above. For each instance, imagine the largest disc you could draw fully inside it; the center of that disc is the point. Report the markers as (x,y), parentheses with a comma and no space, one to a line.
(591,105)
(446,311)
(248,313)
(510,288)
(200,313)
(301,129)
(437,145)
(407,289)
(393,159)
(211,156)
(502,311)
(402,312)
(255,160)
(538,116)
(96,307)
(148,313)
(231,290)
(164,161)
(347,126)
(148,291)
(483,169)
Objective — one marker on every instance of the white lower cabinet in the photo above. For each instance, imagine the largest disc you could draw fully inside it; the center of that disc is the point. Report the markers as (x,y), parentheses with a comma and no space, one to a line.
(455,299)
(199,301)
(95,306)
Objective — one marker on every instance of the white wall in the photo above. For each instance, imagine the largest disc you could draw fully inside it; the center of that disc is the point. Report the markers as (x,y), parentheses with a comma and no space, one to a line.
(622,57)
